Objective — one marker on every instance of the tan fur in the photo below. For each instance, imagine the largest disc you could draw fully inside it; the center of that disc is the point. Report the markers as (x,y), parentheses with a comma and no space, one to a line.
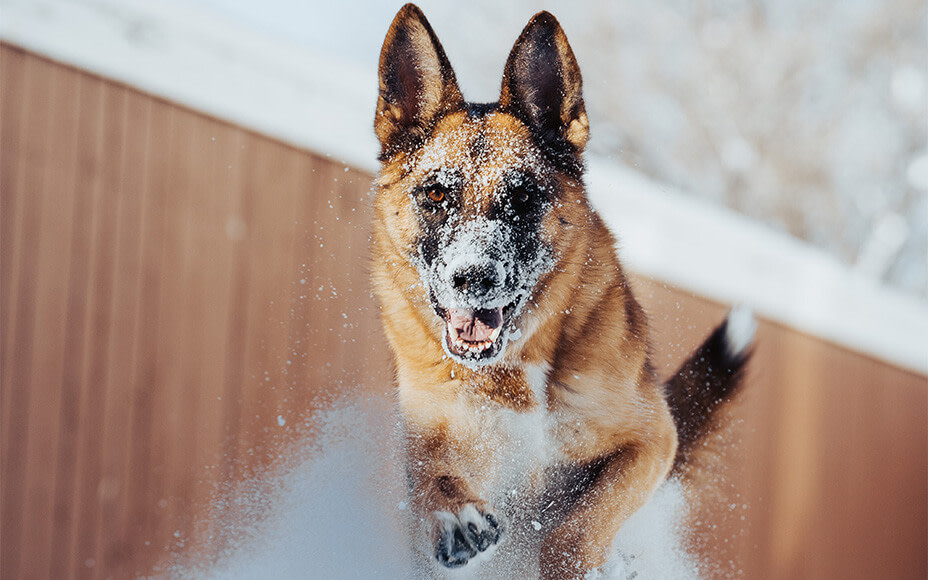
(601,406)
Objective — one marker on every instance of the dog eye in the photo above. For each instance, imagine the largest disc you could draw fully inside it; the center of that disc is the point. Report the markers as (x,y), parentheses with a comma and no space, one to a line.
(522,200)
(436,195)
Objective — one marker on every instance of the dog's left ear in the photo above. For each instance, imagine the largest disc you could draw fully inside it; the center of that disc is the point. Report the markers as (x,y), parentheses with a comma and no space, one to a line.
(417,83)
(542,84)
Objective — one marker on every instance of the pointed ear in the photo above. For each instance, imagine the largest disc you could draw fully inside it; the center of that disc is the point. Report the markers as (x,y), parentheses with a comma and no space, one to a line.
(542,84)
(417,83)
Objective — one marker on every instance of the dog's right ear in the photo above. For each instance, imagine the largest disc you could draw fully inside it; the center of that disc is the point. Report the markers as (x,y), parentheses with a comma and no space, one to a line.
(417,84)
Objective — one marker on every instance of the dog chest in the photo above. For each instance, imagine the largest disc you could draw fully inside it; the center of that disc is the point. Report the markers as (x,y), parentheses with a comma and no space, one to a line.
(524,439)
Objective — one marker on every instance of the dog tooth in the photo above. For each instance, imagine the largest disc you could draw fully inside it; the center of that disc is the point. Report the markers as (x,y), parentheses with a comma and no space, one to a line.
(495,334)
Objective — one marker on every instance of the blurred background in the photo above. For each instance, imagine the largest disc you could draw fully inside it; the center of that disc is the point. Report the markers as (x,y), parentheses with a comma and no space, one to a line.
(184,207)
(810,116)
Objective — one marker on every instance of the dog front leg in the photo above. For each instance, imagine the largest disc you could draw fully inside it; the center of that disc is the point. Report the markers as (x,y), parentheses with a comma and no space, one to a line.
(623,482)
(458,523)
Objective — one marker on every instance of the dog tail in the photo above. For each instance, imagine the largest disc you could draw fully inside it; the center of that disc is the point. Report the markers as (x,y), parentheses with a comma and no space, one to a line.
(709,379)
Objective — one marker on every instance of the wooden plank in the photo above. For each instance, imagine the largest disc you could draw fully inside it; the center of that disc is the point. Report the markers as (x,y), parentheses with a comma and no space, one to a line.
(178,348)
(68,318)
(115,550)
(13,70)
(215,251)
(14,397)
(273,201)
(98,392)
(203,277)
(20,492)
(53,144)
(235,341)
(146,435)
(172,341)
(107,150)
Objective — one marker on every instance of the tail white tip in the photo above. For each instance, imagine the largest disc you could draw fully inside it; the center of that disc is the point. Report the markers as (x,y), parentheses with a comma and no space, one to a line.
(740,329)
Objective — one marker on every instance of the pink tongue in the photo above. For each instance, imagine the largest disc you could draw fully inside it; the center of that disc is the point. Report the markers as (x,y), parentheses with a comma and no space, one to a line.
(475,325)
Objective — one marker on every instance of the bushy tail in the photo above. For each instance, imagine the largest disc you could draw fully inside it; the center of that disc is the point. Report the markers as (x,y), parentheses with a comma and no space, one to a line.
(709,379)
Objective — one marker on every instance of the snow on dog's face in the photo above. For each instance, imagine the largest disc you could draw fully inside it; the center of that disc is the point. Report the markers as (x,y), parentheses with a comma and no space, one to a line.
(477,199)
(480,193)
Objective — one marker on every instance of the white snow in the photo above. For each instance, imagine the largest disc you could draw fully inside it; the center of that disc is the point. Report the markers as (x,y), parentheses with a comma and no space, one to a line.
(338,511)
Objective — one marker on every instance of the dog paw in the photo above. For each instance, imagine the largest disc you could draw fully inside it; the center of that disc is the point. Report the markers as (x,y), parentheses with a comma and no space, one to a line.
(462,536)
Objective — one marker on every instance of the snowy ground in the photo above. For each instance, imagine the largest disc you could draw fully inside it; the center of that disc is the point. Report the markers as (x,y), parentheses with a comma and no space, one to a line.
(339,512)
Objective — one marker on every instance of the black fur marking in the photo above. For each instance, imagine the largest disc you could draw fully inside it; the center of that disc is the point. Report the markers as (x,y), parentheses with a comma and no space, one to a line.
(478,110)
(567,483)
(428,248)
(707,380)
(521,199)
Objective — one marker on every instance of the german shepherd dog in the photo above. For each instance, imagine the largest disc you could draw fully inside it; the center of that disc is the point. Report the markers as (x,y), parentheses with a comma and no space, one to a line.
(531,410)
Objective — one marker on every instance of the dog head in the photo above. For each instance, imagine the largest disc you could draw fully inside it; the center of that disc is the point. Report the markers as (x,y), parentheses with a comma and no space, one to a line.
(479,198)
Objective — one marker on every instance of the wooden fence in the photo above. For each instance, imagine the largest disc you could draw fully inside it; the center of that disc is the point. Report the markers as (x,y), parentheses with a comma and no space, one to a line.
(178,294)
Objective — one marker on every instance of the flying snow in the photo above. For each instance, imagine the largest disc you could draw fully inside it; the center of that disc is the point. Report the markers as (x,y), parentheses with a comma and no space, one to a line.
(341,512)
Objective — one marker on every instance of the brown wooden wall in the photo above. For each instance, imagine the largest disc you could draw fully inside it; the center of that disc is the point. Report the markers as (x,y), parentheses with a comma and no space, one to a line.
(173,288)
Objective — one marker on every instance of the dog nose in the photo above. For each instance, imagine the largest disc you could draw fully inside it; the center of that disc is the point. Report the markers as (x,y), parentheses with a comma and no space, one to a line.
(477,279)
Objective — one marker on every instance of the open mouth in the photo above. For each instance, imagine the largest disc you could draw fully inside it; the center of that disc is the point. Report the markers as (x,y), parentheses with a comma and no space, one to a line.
(475,334)
(473,331)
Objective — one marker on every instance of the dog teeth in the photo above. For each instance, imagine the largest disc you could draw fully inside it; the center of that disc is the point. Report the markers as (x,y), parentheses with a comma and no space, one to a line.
(478,347)
(472,347)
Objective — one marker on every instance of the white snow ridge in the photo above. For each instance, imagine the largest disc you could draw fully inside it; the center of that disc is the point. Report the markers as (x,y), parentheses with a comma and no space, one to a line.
(341,514)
